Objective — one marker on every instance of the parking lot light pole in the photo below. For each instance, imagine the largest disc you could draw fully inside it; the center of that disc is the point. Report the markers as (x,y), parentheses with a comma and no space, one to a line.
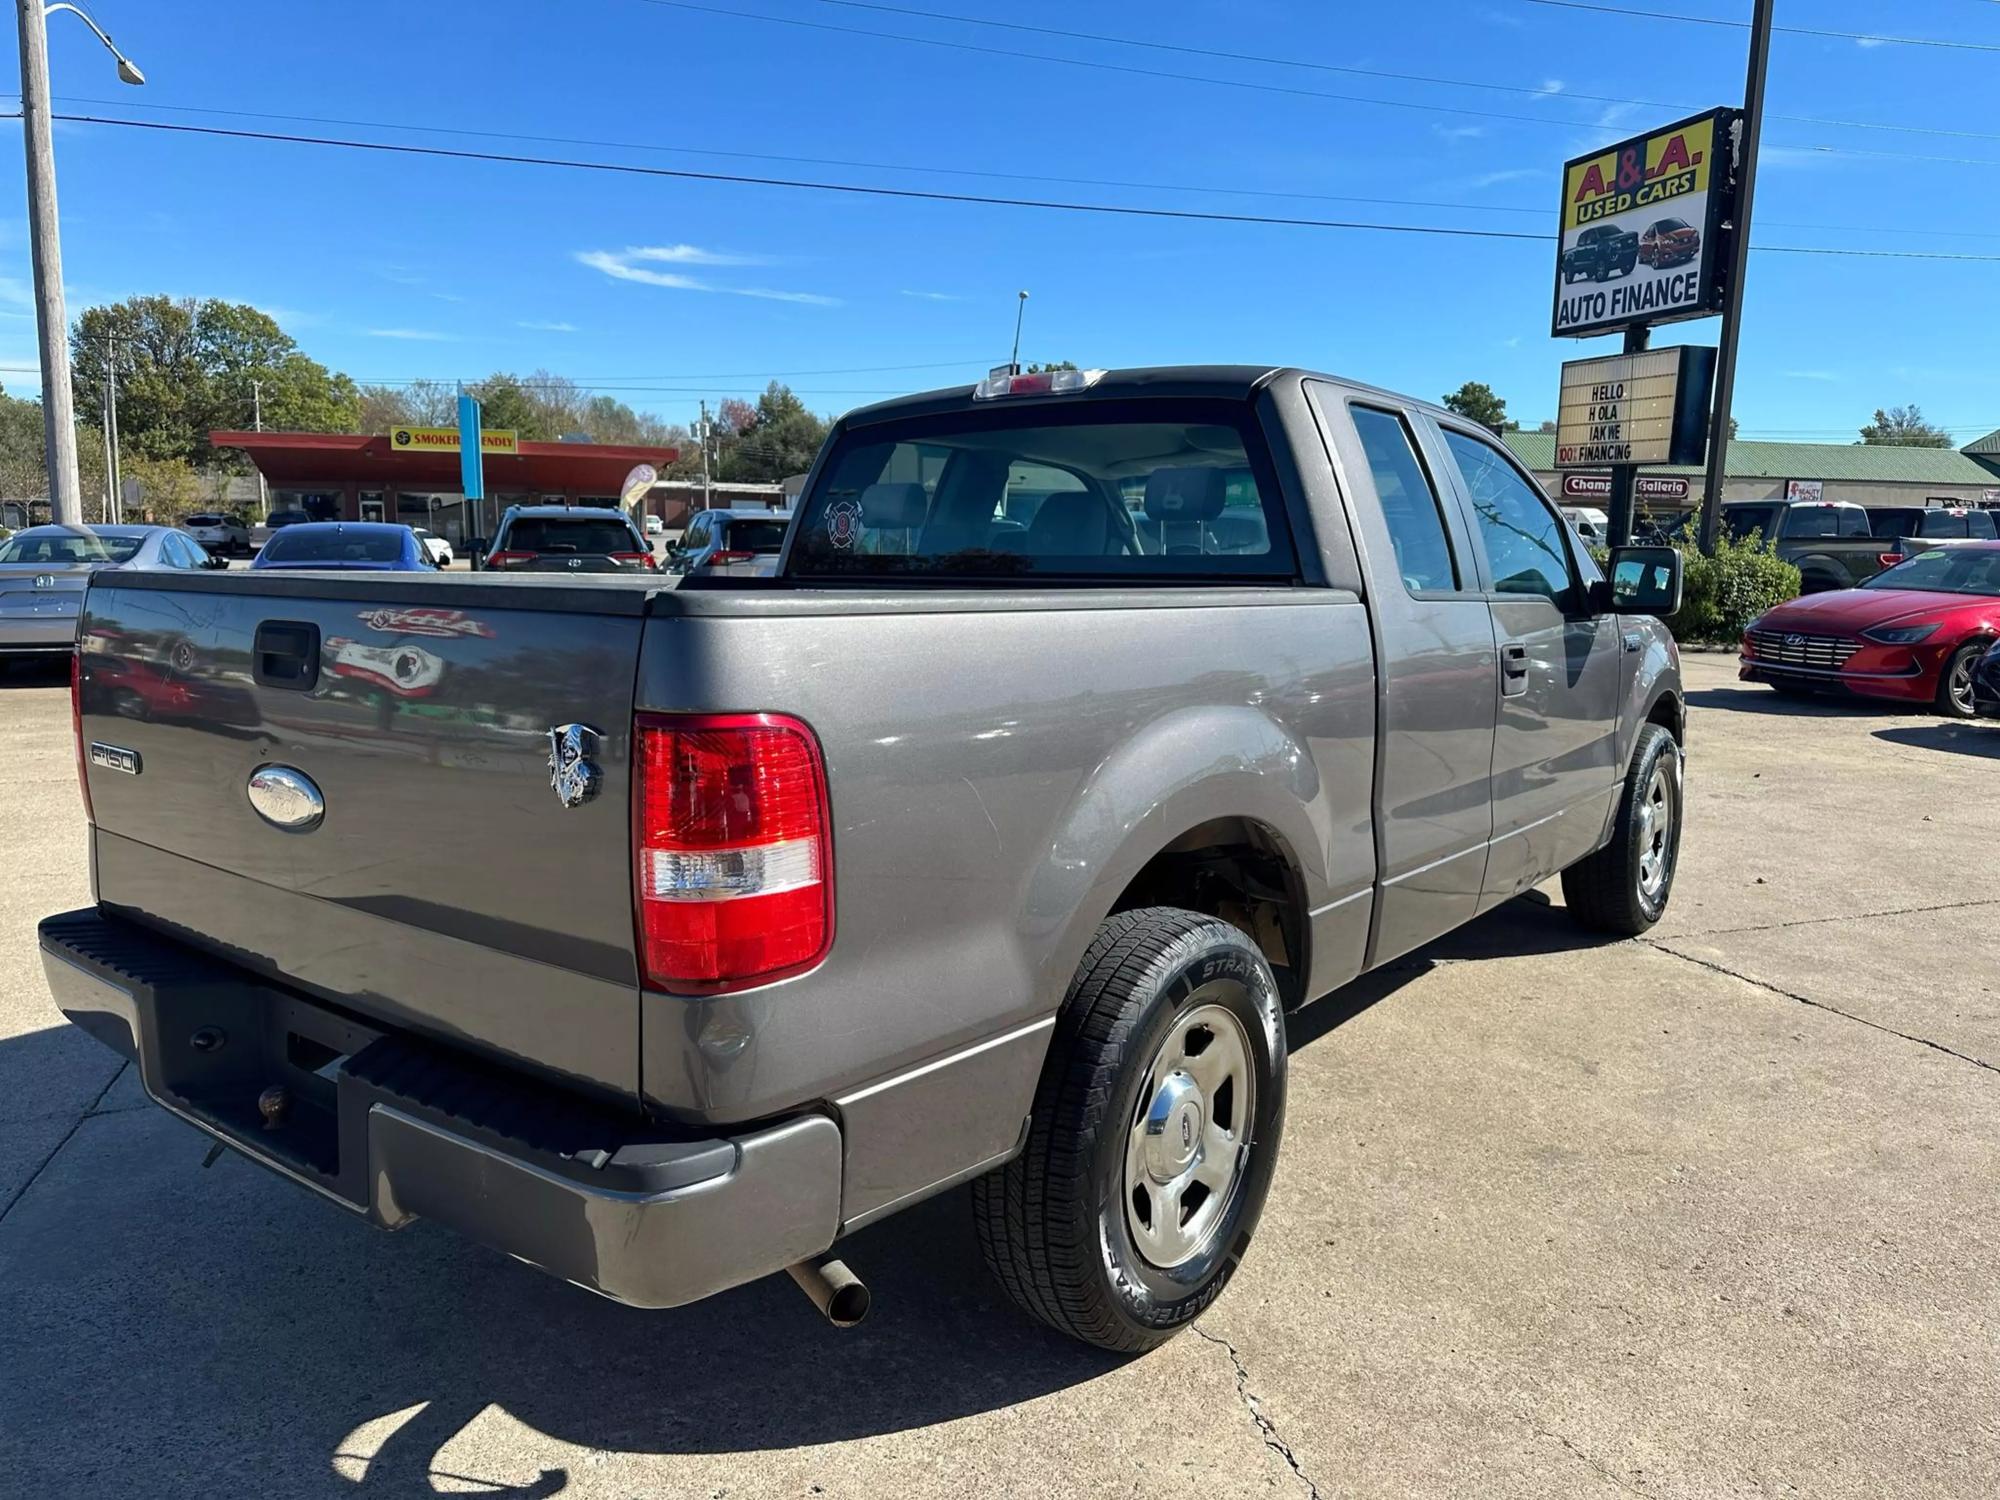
(58,404)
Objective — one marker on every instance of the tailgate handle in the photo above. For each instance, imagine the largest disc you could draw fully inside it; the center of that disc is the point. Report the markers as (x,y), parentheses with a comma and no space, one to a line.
(286,655)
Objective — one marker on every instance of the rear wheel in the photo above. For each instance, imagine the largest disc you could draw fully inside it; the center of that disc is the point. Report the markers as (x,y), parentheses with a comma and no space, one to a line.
(1153,1137)
(1624,886)
(1954,694)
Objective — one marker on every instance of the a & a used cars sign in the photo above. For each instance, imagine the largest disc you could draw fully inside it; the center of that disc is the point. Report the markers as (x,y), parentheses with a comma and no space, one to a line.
(1641,225)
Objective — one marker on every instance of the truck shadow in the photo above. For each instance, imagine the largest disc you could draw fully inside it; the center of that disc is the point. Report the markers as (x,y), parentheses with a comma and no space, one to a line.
(34,672)
(1755,698)
(1959,739)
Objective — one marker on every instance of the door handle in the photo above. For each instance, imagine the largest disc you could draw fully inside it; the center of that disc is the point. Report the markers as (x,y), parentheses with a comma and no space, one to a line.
(1513,669)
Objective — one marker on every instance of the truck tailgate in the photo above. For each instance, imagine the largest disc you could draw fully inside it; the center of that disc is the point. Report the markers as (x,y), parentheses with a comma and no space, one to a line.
(446,887)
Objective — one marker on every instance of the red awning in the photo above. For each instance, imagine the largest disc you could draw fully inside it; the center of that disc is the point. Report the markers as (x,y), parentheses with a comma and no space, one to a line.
(304,458)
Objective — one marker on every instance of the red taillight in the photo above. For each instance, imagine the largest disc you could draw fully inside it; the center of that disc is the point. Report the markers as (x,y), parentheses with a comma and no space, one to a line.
(1888,559)
(76,728)
(508,559)
(732,852)
(645,559)
(726,556)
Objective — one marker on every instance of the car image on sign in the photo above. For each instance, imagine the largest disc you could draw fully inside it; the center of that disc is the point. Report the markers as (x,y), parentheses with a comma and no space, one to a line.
(1669,242)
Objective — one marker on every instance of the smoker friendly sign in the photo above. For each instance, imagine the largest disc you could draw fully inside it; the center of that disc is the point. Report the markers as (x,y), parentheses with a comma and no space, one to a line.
(1641,225)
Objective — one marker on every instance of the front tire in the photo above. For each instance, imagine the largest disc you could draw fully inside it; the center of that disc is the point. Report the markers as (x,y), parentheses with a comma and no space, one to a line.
(1154,1134)
(1623,888)
(1954,694)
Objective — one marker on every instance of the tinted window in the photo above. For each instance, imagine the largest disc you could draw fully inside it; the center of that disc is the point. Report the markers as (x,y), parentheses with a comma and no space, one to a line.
(1979,523)
(1954,570)
(570,534)
(1524,538)
(1409,503)
(302,544)
(1101,489)
(1825,520)
(1740,520)
(1894,521)
(755,536)
(204,520)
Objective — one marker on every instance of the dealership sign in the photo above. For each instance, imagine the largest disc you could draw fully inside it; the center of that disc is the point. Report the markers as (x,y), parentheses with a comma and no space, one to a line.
(1641,228)
(1663,489)
(1628,409)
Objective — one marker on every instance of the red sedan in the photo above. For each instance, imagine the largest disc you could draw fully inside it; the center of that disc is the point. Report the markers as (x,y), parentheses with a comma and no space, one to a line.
(1912,632)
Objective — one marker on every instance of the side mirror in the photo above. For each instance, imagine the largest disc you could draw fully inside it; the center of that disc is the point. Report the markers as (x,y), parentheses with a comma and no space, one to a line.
(1642,581)
(215,560)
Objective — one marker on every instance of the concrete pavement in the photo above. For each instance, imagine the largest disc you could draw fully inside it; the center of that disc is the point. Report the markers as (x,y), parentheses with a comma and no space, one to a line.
(1706,1214)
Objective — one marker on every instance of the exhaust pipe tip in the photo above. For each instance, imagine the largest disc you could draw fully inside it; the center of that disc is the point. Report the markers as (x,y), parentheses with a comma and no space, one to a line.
(837,1292)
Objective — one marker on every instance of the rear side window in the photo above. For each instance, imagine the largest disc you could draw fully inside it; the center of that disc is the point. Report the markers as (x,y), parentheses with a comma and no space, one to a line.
(1895,521)
(1741,520)
(1409,503)
(582,534)
(1979,525)
(1825,520)
(1102,490)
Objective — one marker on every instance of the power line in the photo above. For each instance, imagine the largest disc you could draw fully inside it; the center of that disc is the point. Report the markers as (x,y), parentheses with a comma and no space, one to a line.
(924,195)
(1542,91)
(1846,36)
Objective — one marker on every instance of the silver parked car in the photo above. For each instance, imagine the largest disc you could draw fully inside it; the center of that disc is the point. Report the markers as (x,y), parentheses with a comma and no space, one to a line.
(44,570)
(731,543)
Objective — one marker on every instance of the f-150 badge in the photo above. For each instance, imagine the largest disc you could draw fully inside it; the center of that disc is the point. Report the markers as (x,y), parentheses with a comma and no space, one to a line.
(572,773)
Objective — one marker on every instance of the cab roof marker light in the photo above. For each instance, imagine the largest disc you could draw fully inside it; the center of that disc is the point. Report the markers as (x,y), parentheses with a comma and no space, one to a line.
(1004,382)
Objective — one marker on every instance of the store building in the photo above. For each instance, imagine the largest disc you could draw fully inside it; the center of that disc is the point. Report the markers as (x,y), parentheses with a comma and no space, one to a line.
(365,477)
(1865,473)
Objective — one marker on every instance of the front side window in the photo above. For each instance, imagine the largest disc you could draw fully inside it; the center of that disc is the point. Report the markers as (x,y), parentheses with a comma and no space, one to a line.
(1523,537)
(1409,503)
(1103,489)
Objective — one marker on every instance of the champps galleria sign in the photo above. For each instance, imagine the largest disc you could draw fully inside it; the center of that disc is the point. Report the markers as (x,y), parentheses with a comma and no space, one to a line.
(1642,228)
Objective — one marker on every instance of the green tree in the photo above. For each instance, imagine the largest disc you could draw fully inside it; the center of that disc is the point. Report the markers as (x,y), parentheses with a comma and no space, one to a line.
(1476,402)
(1904,427)
(504,403)
(188,367)
(767,442)
(1061,364)
(24,473)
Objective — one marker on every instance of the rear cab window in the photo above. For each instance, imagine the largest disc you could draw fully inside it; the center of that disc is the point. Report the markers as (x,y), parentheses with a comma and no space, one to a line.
(1110,490)
(759,536)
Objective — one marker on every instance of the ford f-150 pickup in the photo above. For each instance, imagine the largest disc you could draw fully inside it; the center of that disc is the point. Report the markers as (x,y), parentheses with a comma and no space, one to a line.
(660,937)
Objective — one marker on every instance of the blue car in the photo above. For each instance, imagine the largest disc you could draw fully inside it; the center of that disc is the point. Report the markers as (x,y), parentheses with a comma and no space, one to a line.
(369,546)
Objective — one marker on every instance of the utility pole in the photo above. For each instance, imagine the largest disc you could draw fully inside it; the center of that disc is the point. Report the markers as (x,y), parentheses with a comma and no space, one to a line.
(1739,263)
(257,425)
(52,318)
(1020,311)
(706,483)
(110,446)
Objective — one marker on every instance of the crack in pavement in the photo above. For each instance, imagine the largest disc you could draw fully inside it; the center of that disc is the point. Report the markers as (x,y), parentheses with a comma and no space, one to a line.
(1660,946)
(56,1150)
(1265,1427)
(1859,916)
(1600,1469)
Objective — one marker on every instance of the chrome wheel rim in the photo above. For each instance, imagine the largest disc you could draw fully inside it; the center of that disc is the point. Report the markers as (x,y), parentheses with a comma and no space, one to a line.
(1959,685)
(1189,1144)
(1656,832)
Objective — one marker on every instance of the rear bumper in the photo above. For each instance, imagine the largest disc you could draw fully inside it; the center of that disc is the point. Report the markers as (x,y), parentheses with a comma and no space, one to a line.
(39,633)
(397,1129)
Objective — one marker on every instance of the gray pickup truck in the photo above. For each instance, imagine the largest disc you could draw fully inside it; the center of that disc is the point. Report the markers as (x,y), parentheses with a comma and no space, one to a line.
(661,937)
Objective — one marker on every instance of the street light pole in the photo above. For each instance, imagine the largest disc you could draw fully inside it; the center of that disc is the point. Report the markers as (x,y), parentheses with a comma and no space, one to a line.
(1020,311)
(45,241)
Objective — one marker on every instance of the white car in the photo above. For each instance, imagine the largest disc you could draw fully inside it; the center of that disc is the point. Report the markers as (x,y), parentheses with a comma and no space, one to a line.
(655,526)
(220,535)
(435,545)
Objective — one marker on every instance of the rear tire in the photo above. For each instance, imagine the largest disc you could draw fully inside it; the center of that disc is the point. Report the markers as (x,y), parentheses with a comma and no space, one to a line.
(1954,694)
(1167,1068)
(1623,888)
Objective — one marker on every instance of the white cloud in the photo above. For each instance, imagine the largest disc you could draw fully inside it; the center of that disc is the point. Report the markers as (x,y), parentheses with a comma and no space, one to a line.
(1811,375)
(691,255)
(16,291)
(536,325)
(1509,174)
(619,265)
(446,296)
(1549,87)
(417,335)
(933,296)
(1458,132)
(1810,157)
(1871,41)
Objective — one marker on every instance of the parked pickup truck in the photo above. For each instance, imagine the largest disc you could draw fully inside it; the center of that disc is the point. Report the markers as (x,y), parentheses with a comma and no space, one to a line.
(1600,252)
(1838,545)
(660,937)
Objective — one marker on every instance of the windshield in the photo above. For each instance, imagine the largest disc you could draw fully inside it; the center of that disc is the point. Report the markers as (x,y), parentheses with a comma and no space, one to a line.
(1958,570)
(569,534)
(1118,489)
(304,544)
(68,547)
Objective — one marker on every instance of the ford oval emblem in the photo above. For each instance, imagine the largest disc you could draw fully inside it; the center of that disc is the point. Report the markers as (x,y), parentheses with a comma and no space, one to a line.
(286,799)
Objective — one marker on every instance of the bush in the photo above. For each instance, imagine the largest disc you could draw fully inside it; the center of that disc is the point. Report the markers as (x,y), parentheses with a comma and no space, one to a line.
(1722,594)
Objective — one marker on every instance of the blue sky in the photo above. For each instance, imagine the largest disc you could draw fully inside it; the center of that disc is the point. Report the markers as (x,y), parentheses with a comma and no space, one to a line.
(395,268)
